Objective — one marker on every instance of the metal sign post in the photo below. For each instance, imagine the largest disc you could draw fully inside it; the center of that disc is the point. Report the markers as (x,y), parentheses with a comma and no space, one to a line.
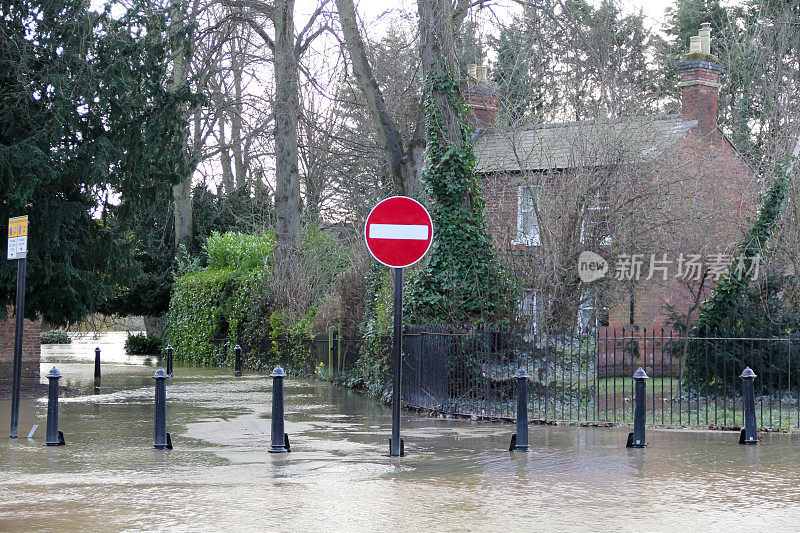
(396,443)
(18,250)
(398,233)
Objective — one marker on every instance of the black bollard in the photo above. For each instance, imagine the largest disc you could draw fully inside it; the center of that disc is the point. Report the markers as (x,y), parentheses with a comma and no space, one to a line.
(54,436)
(97,363)
(169,360)
(636,439)
(519,440)
(161,439)
(280,440)
(749,434)
(237,361)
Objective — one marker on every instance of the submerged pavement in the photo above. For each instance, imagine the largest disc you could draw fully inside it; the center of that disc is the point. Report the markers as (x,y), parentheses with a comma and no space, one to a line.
(457,474)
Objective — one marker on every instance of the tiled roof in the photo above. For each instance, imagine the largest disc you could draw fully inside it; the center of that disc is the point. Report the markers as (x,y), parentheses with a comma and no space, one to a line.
(578,144)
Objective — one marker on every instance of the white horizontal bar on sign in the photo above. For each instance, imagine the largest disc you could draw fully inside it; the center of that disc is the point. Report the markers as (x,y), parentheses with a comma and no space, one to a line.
(415,232)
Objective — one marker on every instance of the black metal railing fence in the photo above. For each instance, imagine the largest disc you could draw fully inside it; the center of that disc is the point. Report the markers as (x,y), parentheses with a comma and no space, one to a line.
(587,376)
(469,370)
(575,376)
(321,355)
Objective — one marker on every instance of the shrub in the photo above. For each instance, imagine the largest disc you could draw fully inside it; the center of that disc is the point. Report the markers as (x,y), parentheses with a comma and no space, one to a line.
(287,340)
(55,336)
(324,257)
(235,299)
(141,344)
(373,359)
(238,251)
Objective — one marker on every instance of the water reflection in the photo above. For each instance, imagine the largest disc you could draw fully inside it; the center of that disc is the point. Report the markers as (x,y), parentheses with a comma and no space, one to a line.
(637,456)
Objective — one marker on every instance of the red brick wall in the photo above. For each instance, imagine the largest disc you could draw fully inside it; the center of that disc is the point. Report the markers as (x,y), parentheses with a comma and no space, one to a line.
(500,195)
(725,191)
(699,93)
(31,350)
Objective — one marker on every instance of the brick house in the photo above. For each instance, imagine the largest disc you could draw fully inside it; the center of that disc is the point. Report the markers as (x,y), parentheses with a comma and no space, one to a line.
(649,194)
(31,350)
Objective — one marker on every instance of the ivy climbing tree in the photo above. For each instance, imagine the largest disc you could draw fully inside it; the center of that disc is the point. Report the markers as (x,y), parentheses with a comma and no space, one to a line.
(462,280)
(720,308)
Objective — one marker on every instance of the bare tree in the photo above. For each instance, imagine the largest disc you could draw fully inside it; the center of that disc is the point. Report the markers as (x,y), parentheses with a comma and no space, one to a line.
(403,159)
(319,125)
(759,109)
(361,175)
(287,50)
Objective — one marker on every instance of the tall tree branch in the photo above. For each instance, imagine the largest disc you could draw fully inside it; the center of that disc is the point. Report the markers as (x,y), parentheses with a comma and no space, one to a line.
(390,136)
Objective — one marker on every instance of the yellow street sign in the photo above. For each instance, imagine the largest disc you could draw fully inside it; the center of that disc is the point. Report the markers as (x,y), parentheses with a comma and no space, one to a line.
(18,227)
(18,238)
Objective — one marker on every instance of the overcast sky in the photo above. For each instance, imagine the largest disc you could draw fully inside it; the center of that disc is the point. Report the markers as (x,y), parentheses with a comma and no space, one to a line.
(371,9)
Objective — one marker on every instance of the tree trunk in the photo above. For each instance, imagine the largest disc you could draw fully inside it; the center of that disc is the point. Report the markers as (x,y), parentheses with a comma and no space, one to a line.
(240,166)
(439,59)
(153,326)
(404,165)
(182,196)
(287,187)
(182,192)
(228,181)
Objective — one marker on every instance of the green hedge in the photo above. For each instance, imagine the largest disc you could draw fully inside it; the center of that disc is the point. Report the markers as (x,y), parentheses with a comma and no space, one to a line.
(141,344)
(231,299)
(206,305)
(239,251)
(55,336)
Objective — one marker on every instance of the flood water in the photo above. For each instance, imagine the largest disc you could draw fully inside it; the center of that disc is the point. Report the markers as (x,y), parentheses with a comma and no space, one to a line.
(456,475)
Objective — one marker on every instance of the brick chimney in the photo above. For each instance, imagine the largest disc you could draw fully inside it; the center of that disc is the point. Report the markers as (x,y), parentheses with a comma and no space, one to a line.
(700,72)
(482,98)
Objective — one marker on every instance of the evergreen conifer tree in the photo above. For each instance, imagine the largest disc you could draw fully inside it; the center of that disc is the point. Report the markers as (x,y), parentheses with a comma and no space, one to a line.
(87,133)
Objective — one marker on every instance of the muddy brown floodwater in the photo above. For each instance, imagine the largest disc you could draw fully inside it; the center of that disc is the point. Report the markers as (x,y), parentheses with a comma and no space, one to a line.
(456,475)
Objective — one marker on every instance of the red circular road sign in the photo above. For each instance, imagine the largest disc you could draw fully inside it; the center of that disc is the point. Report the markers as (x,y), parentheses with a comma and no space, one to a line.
(398,231)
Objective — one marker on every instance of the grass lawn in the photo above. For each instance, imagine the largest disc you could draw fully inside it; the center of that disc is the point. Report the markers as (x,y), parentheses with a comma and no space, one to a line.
(615,386)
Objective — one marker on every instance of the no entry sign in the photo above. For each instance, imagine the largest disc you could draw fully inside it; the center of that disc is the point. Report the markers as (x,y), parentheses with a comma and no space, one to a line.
(398,231)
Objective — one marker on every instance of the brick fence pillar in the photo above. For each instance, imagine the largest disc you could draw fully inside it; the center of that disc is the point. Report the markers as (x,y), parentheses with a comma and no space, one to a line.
(31,350)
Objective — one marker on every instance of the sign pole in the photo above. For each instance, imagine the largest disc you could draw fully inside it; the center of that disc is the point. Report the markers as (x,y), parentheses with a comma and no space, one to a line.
(398,232)
(18,250)
(396,443)
(17,376)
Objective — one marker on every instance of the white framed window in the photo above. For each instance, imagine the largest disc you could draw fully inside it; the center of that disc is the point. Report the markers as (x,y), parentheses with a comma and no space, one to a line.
(527,221)
(595,222)
(592,313)
(586,315)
